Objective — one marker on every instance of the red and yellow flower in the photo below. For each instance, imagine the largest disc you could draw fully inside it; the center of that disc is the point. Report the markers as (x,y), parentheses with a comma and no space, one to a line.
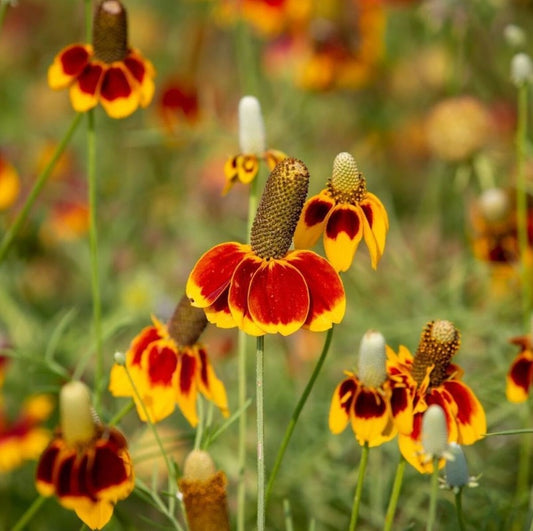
(428,378)
(9,184)
(364,399)
(108,71)
(520,375)
(263,288)
(178,101)
(86,465)
(168,367)
(344,213)
(24,438)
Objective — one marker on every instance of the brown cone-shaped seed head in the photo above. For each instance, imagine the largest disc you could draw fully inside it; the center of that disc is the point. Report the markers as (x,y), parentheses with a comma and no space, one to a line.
(279,209)
(187,323)
(439,342)
(110,31)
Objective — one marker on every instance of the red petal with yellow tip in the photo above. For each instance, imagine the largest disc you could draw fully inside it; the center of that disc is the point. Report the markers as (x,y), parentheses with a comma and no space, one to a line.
(84,92)
(312,220)
(377,218)
(45,468)
(68,65)
(344,230)
(210,386)
(273,156)
(219,313)
(341,405)
(238,296)
(143,72)
(470,416)
(371,417)
(520,377)
(161,362)
(247,168)
(212,273)
(118,93)
(370,237)
(278,300)
(327,300)
(187,389)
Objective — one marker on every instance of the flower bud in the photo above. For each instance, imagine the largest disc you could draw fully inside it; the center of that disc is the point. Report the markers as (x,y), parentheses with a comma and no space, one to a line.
(456,468)
(434,431)
(120,358)
(521,69)
(251,126)
(77,417)
(514,35)
(372,359)
(495,205)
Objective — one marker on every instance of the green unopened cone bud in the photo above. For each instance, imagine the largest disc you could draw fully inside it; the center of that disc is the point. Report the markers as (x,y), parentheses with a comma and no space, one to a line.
(78,425)
(434,431)
(372,359)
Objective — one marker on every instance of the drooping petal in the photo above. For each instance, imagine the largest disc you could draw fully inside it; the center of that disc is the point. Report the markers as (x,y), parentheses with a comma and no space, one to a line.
(84,92)
(247,168)
(412,450)
(341,405)
(377,218)
(370,237)
(44,480)
(273,156)
(371,418)
(238,297)
(187,386)
(208,383)
(231,173)
(143,72)
(312,220)
(470,416)
(344,230)
(95,515)
(219,312)
(119,93)
(212,273)
(68,65)
(520,377)
(327,300)
(278,299)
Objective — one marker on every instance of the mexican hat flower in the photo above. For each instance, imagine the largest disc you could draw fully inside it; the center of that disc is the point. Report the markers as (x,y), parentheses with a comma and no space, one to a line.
(24,438)
(344,212)
(363,399)
(86,465)
(244,166)
(263,287)
(168,366)
(520,375)
(429,378)
(107,71)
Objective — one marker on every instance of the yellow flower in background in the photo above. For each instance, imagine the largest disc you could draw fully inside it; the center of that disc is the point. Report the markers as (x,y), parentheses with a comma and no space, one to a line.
(168,366)
(9,184)
(344,213)
(86,465)
(108,71)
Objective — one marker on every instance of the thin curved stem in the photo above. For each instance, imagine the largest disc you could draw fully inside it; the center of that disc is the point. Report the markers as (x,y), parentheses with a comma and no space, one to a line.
(359,487)
(30,512)
(395,494)
(12,232)
(459,509)
(296,414)
(433,495)
(260,358)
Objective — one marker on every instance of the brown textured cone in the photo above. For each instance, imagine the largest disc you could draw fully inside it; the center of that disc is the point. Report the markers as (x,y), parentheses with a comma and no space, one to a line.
(187,323)
(431,351)
(279,209)
(110,31)
(205,503)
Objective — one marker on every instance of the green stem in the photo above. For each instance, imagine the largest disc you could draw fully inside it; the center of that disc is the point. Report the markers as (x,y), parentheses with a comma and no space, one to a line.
(521,199)
(31,511)
(93,242)
(201,422)
(35,191)
(459,509)
(433,495)
(359,487)
(524,461)
(122,413)
(296,413)
(260,358)
(395,494)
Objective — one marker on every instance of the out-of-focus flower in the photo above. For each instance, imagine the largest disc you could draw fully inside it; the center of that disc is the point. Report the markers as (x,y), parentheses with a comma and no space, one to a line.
(178,102)
(344,213)
(520,375)
(66,221)
(108,71)
(86,465)
(430,378)
(264,288)
(514,35)
(521,69)
(4,360)
(23,438)
(457,128)
(168,366)
(204,493)
(9,184)
(363,399)
(245,165)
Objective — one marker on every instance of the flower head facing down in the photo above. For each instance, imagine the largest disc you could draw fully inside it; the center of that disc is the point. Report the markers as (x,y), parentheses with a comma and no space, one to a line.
(108,71)
(244,166)
(168,366)
(265,288)
(86,465)
(363,399)
(430,378)
(24,438)
(344,213)
(520,375)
